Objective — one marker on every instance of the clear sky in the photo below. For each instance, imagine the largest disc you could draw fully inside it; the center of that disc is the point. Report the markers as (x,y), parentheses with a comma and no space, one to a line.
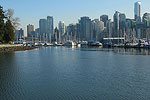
(30,11)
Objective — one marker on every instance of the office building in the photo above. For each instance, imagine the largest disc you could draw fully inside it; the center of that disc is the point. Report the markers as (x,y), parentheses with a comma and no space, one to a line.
(43,27)
(50,27)
(116,24)
(30,29)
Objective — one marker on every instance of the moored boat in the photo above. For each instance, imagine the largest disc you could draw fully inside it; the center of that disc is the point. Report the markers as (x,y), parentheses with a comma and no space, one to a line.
(70,43)
(94,43)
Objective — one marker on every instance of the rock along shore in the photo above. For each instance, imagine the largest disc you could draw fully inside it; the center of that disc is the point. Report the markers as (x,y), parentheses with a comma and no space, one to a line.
(16,47)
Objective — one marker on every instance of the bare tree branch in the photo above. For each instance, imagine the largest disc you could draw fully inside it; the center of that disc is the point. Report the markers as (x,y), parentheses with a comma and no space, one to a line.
(10,16)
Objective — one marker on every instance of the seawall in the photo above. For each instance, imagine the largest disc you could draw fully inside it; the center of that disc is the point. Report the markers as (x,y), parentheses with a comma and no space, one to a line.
(16,47)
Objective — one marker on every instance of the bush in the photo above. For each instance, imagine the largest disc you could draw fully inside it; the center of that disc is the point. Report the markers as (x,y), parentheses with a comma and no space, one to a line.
(10,42)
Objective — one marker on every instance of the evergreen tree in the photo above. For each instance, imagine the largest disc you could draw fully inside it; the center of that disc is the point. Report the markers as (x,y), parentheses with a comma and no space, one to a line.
(2,24)
(9,32)
(7,25)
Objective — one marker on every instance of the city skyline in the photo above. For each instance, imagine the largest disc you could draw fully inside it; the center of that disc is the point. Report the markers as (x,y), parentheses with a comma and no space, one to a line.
(62,10)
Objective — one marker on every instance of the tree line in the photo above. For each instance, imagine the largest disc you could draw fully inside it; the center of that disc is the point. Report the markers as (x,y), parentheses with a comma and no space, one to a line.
(8,25)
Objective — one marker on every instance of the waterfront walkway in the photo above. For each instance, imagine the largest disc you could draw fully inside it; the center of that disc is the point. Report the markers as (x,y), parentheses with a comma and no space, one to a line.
(9,45)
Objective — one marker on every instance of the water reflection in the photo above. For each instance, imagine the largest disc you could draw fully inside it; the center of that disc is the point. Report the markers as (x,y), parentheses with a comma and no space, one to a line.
(124,51)
(132,51)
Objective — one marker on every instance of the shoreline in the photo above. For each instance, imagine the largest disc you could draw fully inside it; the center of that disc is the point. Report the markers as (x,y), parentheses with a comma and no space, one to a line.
(20,47)
(17,47)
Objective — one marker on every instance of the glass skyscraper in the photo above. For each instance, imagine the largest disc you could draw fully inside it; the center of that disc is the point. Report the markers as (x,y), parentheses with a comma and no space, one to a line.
(61,27)
(137,11)
(43,27)
(50,27)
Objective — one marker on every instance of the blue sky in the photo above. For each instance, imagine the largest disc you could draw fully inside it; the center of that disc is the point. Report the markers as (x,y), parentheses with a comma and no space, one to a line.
(30,11)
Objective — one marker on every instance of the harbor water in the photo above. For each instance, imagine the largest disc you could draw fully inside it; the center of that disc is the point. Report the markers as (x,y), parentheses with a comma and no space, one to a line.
(62,73)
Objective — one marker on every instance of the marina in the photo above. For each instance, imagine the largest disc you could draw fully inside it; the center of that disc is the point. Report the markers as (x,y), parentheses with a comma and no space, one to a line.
(139,44)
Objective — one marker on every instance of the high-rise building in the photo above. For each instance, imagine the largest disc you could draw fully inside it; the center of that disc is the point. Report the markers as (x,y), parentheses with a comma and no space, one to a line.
(116,24)
(122,17)
(43,27)
(109,28)
(85,28)
(71,32)
(146,26)
(19,33)
(97,29)
(30,30)
(122,20)
(50,26)
(56,34)
(146,20)
(137,15)
(61,27)
(37,32)
(104,18)
(137,11)
(78,31)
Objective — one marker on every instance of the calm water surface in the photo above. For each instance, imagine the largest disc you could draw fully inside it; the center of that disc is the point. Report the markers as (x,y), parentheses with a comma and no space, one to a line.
(60,73)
